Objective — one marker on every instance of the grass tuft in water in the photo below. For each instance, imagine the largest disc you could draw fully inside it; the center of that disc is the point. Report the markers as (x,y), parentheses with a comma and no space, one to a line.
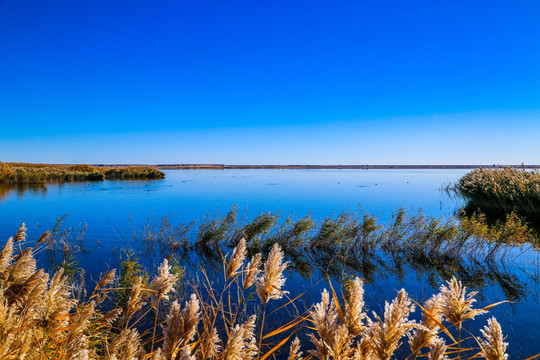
(501,191)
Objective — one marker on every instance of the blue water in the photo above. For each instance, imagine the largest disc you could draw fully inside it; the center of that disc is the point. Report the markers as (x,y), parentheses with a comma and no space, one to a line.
(189,195)
(112,209)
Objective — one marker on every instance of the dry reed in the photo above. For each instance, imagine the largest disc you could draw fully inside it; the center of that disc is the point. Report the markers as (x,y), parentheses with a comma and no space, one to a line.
(40,318)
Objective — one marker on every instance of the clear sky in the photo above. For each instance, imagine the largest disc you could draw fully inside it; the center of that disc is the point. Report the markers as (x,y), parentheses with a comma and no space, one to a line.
(270,82)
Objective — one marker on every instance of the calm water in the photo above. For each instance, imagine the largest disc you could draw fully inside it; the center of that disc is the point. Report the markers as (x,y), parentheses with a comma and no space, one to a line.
(106,209)
(189,195)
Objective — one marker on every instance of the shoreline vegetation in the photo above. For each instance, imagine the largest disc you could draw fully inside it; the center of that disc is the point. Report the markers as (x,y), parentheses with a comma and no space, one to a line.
(349,243)
(501,191)
(132,316)
(25,173)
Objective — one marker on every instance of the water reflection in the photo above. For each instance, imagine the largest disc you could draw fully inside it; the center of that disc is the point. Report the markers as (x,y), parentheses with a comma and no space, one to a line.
(21,190)
(513,279)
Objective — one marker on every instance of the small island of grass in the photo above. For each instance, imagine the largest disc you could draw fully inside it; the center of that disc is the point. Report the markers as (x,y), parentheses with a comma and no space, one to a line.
(502,191)
(26,173)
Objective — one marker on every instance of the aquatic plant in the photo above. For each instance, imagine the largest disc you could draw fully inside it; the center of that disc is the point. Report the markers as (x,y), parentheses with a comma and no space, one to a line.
(501,191)
(24,173)
(354,242)
(41,318)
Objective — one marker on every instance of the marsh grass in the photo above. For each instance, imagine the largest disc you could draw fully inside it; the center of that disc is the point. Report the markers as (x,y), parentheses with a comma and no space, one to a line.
(501,191)
(43,316)
(346,237)
(24,173)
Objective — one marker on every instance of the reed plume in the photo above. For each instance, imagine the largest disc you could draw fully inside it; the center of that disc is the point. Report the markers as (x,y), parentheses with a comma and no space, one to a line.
(334,340)
(241,344)
(135,301)
(181,326)
(271,281)
(354,307)
(294,351)
(236,260)
(210,347)
(252,271)
(44,237)
(164,282)
(431,318)
(185,354)
(21,234)
(126,346)
(384,334)
(456,304)
(494,347)
(6,254)
(438,350)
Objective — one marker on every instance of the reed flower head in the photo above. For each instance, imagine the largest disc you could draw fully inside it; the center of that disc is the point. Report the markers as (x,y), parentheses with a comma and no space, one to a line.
(76,343)
(294,352)
(211,345)
(431,317)
(6,254)
(21,234)
(126,346)
(438,350)
(185,354)
(22,268)
(164,282)
(384,335)
(181,326)
(242,344)
(157,355)
(494,347)
(135,301)
(271,281)
(354,307)
(324,316)
(334,339)
(252,271)
(236,260)
(44,237)
(456,304)
(110,316)
(106,279)
(56,302)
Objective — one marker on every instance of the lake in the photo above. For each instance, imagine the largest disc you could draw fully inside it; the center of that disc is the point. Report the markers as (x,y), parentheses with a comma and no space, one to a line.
(190,194)
(112,210)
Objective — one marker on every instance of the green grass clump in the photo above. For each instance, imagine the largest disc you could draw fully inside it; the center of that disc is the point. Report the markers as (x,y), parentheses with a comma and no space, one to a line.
(132,173)
(24,173)
(502,191)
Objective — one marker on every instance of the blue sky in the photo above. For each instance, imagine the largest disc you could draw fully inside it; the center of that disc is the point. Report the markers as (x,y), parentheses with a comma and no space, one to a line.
(270,82)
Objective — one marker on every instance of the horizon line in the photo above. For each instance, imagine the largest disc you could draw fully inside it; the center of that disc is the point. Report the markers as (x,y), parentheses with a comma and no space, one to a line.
(320,166)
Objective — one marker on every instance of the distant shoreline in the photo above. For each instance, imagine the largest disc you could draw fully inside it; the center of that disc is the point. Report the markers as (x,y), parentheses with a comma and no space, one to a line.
(315,167)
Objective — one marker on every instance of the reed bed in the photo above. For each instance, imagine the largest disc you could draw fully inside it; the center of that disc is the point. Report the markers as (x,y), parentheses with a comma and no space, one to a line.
(43,316)
(503,191)
(24,173)
(359,243)
(345,235)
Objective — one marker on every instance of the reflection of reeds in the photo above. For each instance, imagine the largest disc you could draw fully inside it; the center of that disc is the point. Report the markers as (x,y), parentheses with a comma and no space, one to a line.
(349,237)
(436,248)
(23,173)
(40,318)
